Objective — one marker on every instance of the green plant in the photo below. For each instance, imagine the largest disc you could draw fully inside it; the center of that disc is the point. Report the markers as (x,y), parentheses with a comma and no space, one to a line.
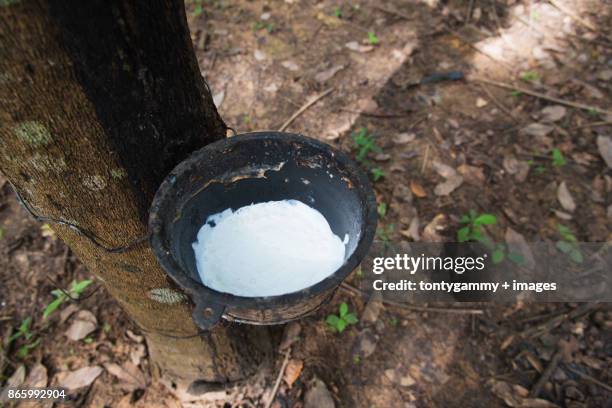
(372,38)
(557,158)
(382,210)
(261,25)
(529,76)
(472,231)
(338,12)
(377,173)
(384,233)
(343,319)
(198,9)
(24,332)
(394,321)
(1,232)
(76,289)
(516,93)
(593,111)
(568,244)
(365,144)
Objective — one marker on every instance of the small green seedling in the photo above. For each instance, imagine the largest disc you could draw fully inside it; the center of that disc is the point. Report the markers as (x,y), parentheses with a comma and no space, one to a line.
(342,320)
(24,332)
(198,9)
(377,173)
(365,144)
(557,158)
(261,25)
(472,231)
(569,244)
(394,321)
(516,93)
(593,111)
(529,76)
(76,289)
(338,12)
(1,232)
(382,210)
(384,233)
(372,38)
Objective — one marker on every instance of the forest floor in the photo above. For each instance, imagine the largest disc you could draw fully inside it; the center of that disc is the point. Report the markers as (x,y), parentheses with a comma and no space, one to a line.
(535,152)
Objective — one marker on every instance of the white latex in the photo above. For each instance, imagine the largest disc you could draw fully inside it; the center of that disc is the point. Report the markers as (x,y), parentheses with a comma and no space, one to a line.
(267,249)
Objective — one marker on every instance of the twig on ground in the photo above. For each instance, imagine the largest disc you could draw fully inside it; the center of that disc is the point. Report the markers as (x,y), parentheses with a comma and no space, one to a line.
(573,15)
(357,292)
(550,368)
(478,49)
(560,101)
(592,124)
(425,157)
(378,115)
(304,108)
(558,320)
(497,103)
(278,379)
(591,379)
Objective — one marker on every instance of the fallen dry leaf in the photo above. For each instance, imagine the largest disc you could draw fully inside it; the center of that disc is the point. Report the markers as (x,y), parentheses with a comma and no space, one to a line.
(553,113)
(518,245)
(80,378)
(290,65)
(448,186)
(130,377)
(18,377)
(537,129)
(480,102)
(218,98)
(565,197)
(259,55)
(84,323)
(355,46)
(137,353)
(291,335)
(413,230)
(519,169)
(328,74)
(444,170)
(293,371)
(417,189)
(404,138)
(318,396)
(373,308)
(514,396)
(604,144)
(472,174)
(37,378)
(67,312)
(431,230)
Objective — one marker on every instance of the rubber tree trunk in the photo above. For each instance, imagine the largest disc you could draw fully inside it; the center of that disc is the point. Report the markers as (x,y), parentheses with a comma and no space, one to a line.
(99,100)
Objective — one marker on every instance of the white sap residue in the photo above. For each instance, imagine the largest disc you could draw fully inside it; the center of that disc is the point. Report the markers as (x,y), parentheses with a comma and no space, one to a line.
(267,249)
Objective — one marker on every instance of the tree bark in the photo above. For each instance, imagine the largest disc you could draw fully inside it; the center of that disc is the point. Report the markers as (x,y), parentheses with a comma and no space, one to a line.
(99,100)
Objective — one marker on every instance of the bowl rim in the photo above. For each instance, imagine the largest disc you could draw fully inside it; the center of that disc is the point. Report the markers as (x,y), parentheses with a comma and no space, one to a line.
(202,294)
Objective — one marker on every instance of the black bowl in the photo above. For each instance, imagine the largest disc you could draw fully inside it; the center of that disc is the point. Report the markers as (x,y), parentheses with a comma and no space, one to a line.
(253,168)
